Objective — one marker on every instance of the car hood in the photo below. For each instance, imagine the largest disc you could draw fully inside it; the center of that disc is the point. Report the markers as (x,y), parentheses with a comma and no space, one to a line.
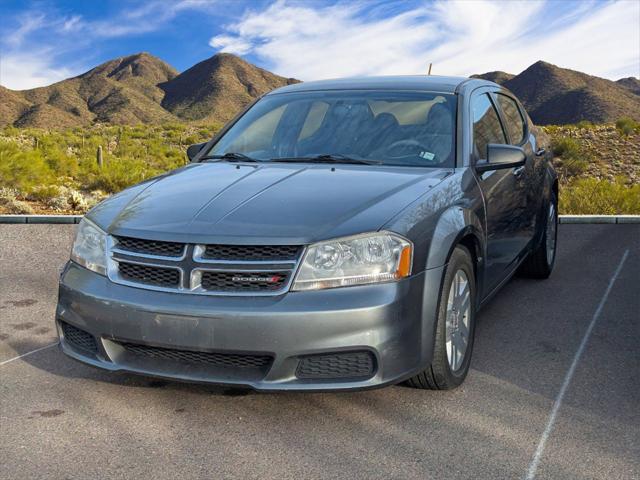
(246,203)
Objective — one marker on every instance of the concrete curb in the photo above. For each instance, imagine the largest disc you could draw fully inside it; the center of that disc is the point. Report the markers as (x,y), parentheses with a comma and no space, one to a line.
(40,218)
(591,219)
(582,219)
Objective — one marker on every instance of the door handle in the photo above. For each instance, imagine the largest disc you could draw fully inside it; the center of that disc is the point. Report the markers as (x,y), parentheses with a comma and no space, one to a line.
(517,172)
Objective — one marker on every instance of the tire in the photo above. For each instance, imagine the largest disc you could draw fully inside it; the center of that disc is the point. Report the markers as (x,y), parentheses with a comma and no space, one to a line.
(540,262)
(443,373)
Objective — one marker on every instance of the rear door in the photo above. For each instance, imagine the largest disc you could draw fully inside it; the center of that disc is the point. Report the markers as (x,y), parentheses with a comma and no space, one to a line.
(517,130)
(504,195)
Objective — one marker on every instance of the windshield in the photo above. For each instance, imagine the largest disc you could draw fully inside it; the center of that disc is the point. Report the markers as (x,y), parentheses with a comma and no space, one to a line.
(389,128)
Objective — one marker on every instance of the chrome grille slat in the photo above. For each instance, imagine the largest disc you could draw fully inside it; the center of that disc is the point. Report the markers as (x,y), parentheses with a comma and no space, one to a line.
(154,248)
(251,252)
(194,274)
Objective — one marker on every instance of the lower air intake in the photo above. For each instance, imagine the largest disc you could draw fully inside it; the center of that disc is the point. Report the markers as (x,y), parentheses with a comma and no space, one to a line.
(353,365)
(236,360)
(79,338)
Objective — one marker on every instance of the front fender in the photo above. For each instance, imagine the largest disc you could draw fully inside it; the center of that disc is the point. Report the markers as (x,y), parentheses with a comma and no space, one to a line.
(454,224)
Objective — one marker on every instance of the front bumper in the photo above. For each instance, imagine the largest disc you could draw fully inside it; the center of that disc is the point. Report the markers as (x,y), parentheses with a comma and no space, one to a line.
(392,321)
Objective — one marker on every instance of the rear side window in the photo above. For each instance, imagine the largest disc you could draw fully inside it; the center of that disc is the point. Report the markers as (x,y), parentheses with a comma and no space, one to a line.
(486,125)
(513,118)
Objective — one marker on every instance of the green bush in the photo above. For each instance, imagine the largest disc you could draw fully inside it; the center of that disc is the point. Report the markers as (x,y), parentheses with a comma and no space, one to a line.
(120,173)
(23,170)
(627,126)
(44,193)
(566,147)
(572,158)
(590,196)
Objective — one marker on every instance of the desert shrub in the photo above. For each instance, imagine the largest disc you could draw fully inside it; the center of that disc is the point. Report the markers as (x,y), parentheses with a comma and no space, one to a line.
(120,173)
(565,147)
(585,124)
(61,163)
(10,204)
(190,139)
(15,207)
(585,196)
(44,193)
(627,126)
(23,170)
(572,158)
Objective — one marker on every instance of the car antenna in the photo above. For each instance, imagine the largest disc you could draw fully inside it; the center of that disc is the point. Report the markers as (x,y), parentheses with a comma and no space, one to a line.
(429,72)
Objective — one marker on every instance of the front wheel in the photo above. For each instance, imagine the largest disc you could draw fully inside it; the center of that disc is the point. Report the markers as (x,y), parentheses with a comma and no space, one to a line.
(455,327)
(540,262)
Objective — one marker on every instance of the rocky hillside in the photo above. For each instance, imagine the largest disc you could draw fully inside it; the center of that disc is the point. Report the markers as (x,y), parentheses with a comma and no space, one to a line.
(217,88)
(602,152)
(141,89)
(630,83)
(554,95)
(123,90)
(498,76)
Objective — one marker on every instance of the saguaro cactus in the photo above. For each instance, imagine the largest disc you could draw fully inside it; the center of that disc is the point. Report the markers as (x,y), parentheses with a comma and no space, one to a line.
(99,156)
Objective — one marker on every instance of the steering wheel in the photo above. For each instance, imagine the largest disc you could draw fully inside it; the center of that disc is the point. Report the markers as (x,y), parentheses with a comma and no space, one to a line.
(407,148)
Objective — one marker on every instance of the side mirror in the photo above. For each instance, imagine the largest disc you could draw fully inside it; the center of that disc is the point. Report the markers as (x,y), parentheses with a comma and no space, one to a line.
(502,156)
(194,149)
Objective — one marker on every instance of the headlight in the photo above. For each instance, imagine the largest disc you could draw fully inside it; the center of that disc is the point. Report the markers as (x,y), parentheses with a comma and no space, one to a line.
(368,258)
(90,247)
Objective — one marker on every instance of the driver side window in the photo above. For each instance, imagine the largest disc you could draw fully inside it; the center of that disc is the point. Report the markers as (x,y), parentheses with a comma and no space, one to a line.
(486,126)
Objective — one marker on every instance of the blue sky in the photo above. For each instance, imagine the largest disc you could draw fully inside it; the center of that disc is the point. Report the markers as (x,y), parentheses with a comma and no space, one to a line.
(43,41)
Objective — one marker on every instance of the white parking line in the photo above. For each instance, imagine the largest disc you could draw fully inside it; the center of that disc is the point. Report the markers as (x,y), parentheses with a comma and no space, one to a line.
(533,466)
(28,353)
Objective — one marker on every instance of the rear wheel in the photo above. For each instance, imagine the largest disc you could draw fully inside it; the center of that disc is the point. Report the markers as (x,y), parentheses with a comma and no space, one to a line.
(455,327)
(540,262)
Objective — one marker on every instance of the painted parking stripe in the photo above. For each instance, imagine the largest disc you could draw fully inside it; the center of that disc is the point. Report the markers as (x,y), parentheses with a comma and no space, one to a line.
(28,353)
(533,466)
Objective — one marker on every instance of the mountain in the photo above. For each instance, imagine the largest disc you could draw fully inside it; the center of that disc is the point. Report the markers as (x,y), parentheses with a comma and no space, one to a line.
(141,88)
(498,77)
(630,83)
(554,95)
(217,88)
(123,90)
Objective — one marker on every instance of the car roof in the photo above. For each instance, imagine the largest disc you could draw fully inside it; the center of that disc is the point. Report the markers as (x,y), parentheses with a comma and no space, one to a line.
(405,82)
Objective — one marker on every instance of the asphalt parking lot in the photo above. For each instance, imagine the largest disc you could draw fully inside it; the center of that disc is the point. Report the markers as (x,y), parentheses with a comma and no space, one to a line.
(530,407)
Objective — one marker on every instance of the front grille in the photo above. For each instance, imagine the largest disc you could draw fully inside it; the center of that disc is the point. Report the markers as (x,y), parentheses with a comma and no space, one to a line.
(356,365)
(79,338)
(252,252)
(250,270)
(235,360)
(150,275)
(150,247)
(243,281)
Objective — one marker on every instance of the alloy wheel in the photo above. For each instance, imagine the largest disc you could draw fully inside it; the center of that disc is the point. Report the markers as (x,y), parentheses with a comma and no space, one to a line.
(458,320)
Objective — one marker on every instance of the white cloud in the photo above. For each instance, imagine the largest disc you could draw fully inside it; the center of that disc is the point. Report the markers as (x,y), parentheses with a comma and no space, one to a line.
(462,37)
(27,56)
(27,24)
(229,44)
(23,71)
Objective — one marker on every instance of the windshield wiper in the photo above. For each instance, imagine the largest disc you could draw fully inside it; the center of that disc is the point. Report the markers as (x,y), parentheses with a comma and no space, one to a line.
(327,158)
(231,157)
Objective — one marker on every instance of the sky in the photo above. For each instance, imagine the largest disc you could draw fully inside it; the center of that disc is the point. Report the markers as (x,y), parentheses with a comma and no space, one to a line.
(44,41)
